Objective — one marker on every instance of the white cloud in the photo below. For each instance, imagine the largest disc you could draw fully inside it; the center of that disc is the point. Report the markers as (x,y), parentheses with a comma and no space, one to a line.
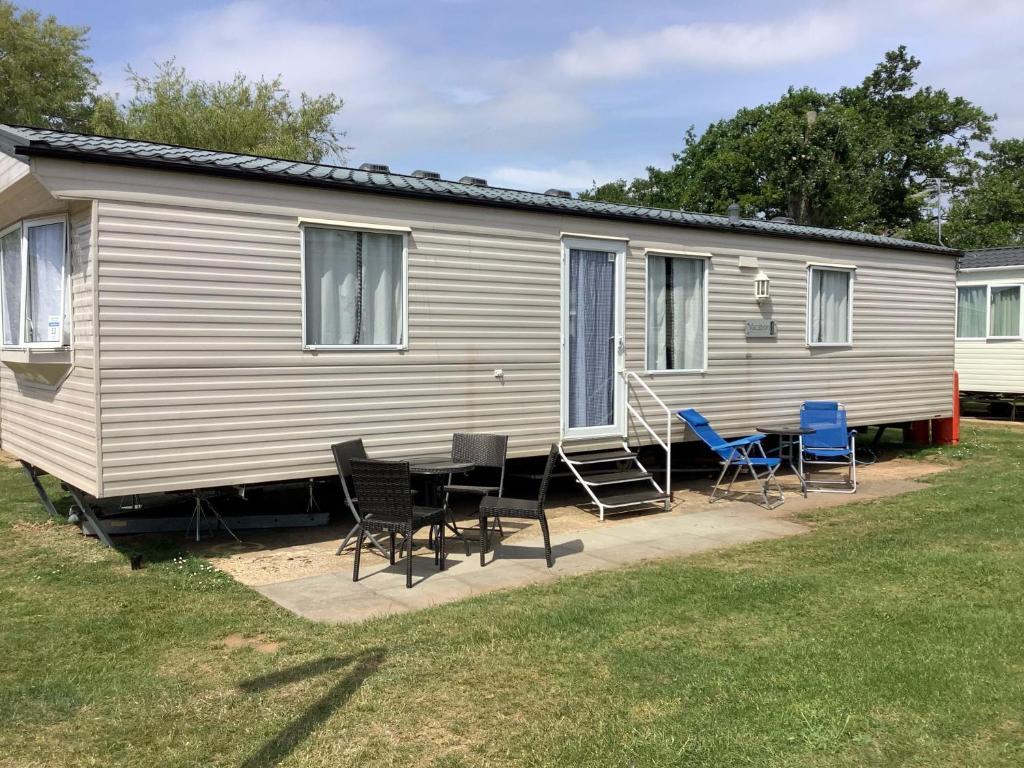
(462,112)
(597,54)
(574,176)
(394,98)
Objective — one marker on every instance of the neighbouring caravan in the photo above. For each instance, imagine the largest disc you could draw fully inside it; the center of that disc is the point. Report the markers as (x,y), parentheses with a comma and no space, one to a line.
(180,319)
(989,324)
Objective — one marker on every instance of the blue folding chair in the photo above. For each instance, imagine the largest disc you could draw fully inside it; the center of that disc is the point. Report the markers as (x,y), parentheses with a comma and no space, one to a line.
(831,444)
(737,454)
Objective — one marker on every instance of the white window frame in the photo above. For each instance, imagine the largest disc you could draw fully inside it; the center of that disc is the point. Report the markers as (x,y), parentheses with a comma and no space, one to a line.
(3,233)
(64,331)
(403,325)
(696,256)
(620,248)
(988,310)
(851,272)
(956,314)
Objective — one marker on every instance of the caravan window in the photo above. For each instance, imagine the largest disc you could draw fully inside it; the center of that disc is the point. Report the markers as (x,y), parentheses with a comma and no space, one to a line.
(970,312)
(353,288)
(1004,311)
(829,306)
(10,275)
(34,270)
(676,313)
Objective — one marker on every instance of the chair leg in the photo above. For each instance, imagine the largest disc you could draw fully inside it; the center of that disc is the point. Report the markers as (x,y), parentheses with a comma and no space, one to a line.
(547,539)
(408,563)
(359,549)
(483,539)
(442,546)
(718,482)
(391,553)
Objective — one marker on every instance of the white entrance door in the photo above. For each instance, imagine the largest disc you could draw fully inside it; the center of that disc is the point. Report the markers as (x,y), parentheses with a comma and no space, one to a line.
(593,349)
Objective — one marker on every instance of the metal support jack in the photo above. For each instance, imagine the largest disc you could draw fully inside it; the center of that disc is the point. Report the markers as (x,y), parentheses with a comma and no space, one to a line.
(34,475)
(199,517)
(88,514)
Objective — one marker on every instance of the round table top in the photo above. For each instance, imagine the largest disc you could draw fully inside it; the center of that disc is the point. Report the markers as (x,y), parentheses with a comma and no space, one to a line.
(434,465)
(786,429)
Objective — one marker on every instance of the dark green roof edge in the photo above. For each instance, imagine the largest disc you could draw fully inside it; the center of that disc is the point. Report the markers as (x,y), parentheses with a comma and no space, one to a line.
(105,149)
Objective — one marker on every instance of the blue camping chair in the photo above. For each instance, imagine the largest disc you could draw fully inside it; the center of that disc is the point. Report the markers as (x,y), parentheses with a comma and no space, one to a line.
(737,454)
(830,445)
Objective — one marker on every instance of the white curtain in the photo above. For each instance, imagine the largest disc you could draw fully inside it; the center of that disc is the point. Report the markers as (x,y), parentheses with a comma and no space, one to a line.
(970,312)
(45,311)
(675,313)
(591,338)
(830,306)
(1005,308)
(353,287)
(10,262)
(382,289)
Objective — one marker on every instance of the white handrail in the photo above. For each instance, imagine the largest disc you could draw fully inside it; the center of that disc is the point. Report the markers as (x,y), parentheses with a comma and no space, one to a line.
(667,443)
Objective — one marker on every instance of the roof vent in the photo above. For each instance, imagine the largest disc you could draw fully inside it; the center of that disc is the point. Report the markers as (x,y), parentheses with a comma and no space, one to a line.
(433,175)
(558,192)
(374,168)
(474,180)
(783,220)
(733,212)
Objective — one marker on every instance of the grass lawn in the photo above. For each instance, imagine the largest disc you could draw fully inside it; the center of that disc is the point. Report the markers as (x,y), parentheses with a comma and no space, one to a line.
(892,635)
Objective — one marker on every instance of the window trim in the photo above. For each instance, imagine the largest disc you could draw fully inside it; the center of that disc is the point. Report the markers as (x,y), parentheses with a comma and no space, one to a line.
(3,233)
(988,311)
(956,314)
(65,313)
(403,344)
(851,281)
(696,256)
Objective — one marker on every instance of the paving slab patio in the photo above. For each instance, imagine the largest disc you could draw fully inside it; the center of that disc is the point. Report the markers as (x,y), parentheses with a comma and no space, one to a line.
(299,570)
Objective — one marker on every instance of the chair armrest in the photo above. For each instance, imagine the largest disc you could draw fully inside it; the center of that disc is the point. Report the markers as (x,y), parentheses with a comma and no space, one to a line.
(748,440)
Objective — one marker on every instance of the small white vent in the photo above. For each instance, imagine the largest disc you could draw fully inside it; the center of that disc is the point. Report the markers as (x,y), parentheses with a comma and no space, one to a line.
(559,192)
(432,175)
(374,168)
(476,181)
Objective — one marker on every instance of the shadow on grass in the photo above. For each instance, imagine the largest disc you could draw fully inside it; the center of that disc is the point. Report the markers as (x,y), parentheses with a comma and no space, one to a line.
(362,666)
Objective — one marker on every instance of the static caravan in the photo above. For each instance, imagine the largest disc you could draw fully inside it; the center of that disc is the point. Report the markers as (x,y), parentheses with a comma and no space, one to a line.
(989,323)
(176,318)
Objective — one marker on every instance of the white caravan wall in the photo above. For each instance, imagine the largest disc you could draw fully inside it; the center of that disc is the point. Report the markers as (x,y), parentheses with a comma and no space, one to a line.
(991,365)
(204,381)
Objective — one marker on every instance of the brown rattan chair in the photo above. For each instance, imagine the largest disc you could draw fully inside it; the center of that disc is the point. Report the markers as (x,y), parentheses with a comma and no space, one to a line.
(344,452)
(530,509)
(386,506)
(487,455)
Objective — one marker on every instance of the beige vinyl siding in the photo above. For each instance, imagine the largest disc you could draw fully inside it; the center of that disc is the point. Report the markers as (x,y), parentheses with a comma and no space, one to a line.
(991,365)
(898,367)
(204,381)
(54,426)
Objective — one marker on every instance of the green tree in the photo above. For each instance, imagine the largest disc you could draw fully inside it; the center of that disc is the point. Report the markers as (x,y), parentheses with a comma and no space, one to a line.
(991,211)
(856,158)
(46,80)
(240,115)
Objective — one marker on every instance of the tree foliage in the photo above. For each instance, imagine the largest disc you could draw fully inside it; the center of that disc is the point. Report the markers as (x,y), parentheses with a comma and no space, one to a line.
(991,211)
(239,115)
(46,80)
(856,158)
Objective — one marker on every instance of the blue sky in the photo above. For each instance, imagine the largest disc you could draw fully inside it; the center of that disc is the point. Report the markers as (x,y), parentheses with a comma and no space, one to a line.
(535,94)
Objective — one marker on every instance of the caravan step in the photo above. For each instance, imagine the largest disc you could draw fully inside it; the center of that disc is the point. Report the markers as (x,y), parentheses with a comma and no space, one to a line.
(634,497)
(599,457)
(613,478)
